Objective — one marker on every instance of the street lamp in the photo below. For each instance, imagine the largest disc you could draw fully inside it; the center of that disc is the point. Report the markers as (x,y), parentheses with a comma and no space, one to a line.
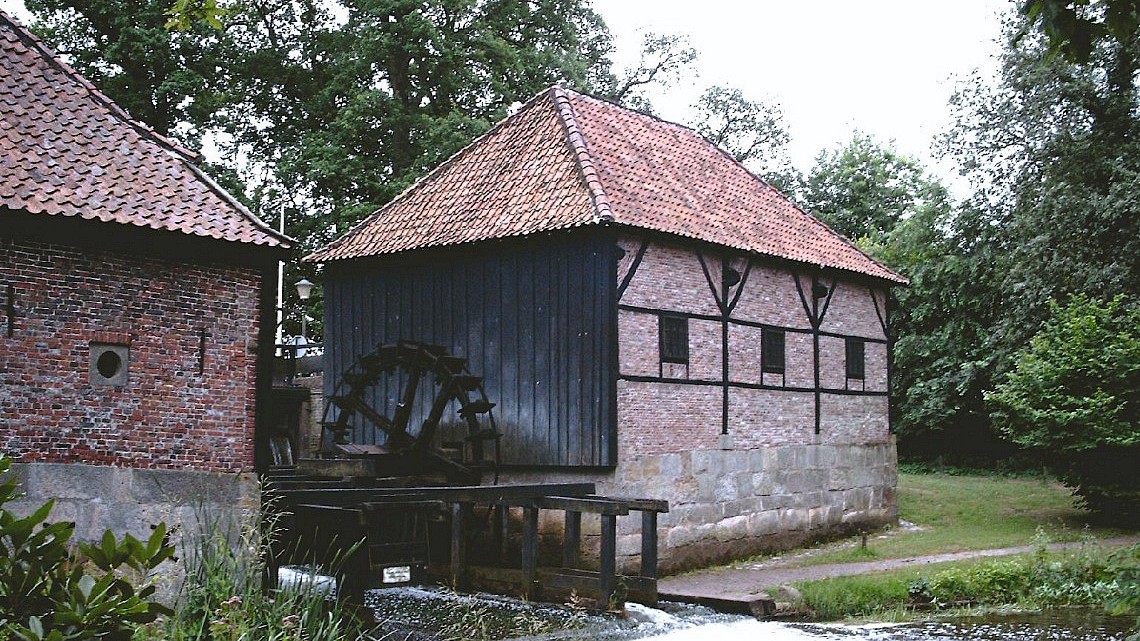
(304,291)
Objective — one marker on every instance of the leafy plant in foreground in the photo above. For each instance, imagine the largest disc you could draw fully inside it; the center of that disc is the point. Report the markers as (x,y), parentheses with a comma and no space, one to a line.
(49,592)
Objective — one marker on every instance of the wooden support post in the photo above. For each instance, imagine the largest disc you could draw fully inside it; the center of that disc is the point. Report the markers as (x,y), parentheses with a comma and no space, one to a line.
(530,551)
(458,542)
(501,530)
(608,561)
(572,539)
(649,544)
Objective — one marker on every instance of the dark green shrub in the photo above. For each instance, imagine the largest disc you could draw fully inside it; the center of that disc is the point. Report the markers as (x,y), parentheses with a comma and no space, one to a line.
(50,591)
(1074,396)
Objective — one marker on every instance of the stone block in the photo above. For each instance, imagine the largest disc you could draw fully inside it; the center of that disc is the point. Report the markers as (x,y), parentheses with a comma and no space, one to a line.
(670,466)
(726,489)
(733,528)
(762,523)
(762,484)
(705,461)
(68,481)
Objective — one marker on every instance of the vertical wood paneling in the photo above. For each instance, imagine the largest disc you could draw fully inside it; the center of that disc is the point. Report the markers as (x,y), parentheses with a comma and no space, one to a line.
(532,319)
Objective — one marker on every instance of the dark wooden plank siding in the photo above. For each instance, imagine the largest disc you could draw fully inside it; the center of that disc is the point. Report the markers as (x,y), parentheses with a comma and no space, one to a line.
(534,318)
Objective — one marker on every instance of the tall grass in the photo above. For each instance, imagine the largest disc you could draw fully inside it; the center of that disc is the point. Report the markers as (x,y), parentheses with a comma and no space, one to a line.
(224,596)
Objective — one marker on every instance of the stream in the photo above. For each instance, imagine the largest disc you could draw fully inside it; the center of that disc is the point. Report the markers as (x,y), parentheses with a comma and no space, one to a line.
(417,607)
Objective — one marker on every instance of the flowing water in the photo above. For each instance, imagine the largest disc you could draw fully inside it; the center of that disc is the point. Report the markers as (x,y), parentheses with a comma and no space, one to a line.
(676,622)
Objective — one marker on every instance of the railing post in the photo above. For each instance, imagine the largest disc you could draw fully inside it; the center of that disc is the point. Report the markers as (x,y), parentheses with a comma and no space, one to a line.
(530,550)
(572,538)
(649,544)
(608,561)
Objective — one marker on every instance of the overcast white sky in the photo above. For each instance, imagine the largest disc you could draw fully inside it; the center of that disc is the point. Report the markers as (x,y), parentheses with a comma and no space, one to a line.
(884,67)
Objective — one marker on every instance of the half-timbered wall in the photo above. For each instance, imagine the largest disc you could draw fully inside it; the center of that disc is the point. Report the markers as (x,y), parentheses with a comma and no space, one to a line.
(534,318)
(722,397)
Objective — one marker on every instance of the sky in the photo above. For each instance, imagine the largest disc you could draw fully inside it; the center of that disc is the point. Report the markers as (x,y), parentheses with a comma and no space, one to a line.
(886,68)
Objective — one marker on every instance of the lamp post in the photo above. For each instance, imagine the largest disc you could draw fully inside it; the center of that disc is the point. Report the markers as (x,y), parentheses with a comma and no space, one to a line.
(304,291)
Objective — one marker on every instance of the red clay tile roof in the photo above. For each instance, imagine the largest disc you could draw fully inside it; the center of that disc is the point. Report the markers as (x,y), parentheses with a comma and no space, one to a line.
(566,159)
(67,150)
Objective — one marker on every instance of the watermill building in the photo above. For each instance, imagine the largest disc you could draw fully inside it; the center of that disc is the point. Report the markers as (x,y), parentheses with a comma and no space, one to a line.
(647,315)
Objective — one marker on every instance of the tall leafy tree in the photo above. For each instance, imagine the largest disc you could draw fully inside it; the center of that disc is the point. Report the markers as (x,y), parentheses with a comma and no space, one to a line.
(1074,28)
(905,218)
(943,358)
(160,77)
(864,189)
(663,60)
(1054,145)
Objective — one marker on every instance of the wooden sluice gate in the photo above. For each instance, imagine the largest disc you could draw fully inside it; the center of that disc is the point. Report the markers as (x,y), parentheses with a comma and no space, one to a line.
(467,537)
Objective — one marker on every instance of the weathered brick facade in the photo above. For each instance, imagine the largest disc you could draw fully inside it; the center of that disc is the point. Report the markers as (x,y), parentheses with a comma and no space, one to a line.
(659,401)
(190,332)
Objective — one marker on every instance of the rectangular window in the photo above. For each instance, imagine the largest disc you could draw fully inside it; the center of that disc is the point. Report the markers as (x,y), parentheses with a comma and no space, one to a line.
(772,350)
(855,360)
(674,339)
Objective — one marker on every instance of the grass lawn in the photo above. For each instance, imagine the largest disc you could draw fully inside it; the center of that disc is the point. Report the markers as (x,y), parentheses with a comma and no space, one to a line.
(959,513)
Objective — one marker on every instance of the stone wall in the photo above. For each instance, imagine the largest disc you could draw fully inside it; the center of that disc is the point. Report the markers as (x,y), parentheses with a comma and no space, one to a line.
(730,504)
(128,500)
(184,395)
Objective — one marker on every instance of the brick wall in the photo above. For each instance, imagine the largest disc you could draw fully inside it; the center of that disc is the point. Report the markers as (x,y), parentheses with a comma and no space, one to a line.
(764,408)
(167,414)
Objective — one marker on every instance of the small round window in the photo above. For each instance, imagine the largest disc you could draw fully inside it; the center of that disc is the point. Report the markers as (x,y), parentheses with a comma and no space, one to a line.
(109,364)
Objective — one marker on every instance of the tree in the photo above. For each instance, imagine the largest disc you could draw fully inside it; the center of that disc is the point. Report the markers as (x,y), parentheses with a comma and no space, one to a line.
(162,78)
(864,189)
(323,111)
(1055,147)
(1073,395)
(1075,27)
(943,358)
(663,59)
(906,219)
(751,132)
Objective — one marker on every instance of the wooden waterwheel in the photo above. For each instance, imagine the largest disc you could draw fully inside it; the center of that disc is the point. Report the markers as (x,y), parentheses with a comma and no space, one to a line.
(415,410)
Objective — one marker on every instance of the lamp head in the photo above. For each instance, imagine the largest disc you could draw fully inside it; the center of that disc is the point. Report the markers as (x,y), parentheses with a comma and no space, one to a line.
(304,289)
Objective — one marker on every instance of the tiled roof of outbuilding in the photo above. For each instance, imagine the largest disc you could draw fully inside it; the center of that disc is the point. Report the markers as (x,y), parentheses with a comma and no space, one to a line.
(567,159)
(68,150)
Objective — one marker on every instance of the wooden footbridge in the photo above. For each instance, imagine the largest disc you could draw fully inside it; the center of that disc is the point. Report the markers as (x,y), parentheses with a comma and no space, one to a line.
(382,532)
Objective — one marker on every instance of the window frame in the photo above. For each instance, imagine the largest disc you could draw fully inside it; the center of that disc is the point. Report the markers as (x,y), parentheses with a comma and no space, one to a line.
(773,350)
(855,358)
(673,342)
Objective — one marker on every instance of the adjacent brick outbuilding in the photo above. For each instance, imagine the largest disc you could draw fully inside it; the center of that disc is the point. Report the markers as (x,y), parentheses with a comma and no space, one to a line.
(137,307)
(648,315)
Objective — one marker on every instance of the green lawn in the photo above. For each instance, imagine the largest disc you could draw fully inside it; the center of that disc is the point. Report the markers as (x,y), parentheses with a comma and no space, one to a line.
(959,513)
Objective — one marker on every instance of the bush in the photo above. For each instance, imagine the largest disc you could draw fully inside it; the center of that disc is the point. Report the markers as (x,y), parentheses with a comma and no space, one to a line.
(1074,396)
(50,591)
(993,583)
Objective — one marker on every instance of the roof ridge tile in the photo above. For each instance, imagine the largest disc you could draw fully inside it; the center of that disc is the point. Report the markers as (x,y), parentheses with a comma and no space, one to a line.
(603,212)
